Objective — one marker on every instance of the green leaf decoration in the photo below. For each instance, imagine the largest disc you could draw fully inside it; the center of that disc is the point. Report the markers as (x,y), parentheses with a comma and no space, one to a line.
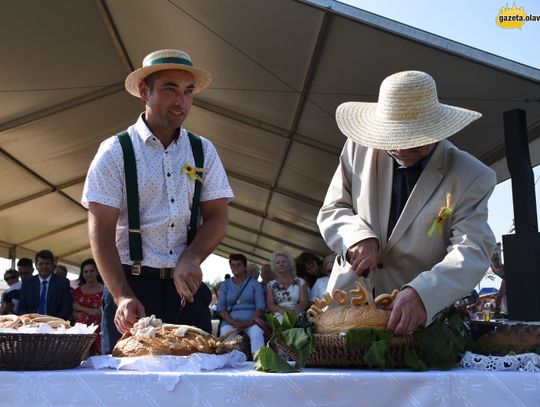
(273,322)
(360,338)
(288,321)
(266,360)
(383,336)
(440,344)
(413,361)
(378,355)
(299,340)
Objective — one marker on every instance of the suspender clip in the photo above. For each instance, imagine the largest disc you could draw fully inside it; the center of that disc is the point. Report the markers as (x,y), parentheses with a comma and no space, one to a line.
(136,268)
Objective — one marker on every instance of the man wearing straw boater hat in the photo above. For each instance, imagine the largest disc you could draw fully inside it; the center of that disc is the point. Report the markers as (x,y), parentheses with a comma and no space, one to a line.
(406,209)
(144,191)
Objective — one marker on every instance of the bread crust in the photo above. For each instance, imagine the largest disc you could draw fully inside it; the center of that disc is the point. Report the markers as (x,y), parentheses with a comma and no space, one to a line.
(342,318)
(151,337)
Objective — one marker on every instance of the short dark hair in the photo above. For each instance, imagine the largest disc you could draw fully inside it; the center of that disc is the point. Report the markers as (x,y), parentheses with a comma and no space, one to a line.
(25,261)
(81,280)
(150,79)
(10,273)
(45,255)
(238,257)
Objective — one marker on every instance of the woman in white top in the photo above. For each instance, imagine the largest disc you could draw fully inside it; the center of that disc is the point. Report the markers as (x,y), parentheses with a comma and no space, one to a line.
(287,292)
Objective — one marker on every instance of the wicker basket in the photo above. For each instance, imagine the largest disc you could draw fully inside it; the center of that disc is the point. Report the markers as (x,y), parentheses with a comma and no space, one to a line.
(23,351)
(332,351)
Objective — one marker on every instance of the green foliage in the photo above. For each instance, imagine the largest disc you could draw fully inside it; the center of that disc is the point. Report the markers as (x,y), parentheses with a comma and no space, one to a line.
(376,343)
(301,341)
(378,354)
(413,361)
(441,343)
(266,360)
(298,340)
(438,345)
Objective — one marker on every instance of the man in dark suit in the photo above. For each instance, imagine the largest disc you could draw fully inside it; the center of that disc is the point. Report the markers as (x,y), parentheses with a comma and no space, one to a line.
(46,293)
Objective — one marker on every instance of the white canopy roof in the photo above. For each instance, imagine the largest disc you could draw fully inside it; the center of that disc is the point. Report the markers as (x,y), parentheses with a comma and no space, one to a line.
(280,69)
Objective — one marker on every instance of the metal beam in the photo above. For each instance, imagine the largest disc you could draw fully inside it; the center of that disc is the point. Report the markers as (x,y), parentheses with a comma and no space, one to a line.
(258,124)
(248,243)
(275,220)
(275,239)
(7,244)
(34,174)
(237,250)
(37,195)
(110,26)
(241,118)
(54,232)
(289,194)
(315,59)
(51,111)
(74,251)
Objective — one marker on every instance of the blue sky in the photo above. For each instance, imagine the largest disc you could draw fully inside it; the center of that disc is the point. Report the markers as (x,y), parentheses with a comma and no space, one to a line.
(472,22)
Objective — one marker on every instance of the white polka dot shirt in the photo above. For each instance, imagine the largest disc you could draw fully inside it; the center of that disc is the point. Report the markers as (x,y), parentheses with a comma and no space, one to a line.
(165,192)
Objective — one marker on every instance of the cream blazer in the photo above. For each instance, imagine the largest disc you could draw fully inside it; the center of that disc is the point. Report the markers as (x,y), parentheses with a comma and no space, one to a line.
(442,267)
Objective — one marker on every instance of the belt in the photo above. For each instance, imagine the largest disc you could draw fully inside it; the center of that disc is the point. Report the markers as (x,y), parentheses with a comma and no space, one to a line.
(144,271)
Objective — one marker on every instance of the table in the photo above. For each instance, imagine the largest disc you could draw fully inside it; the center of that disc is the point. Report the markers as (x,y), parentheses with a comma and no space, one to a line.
(246,387)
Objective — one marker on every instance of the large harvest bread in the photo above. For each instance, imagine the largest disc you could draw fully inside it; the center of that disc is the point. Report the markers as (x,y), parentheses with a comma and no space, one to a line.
(149,336)
(350,312)
(345,317)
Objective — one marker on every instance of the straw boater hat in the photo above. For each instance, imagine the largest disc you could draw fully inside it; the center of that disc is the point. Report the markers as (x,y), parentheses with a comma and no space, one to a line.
(407,115)
(167,59)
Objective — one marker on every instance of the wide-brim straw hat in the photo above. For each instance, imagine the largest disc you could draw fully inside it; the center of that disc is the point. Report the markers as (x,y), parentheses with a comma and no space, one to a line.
(407,115)
(167,59)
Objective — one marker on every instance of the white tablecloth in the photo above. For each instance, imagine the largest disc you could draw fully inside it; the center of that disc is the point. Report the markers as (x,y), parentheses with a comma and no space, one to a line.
(246,387)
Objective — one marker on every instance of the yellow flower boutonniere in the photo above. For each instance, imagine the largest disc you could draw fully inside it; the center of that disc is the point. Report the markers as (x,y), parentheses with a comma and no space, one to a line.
(444,213)
(192,172)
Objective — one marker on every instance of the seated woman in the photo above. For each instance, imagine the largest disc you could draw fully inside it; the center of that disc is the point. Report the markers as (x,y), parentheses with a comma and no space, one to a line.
(87,299)
(308,268)
(287,292)
(240,301)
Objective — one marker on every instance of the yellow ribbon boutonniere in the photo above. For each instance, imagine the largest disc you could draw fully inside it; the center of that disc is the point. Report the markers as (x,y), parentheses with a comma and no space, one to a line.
(444,213)
(192,172)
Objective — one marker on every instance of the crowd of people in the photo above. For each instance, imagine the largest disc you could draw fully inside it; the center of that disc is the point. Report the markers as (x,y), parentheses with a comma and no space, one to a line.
(49,292)
(285,284)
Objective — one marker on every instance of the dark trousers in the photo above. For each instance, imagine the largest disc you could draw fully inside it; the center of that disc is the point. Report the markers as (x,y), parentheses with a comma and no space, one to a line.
(160,298)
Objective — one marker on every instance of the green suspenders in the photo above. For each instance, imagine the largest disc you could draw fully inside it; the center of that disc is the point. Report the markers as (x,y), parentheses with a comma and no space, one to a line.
(132,192)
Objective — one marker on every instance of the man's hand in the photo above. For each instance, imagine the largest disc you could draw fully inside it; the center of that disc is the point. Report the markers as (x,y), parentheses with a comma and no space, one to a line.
(364,255)
(187,278)
(408,312)
(128,312)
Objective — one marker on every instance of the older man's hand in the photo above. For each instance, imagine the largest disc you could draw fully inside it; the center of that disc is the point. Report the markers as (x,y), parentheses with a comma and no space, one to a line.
(364,255)
(408,312)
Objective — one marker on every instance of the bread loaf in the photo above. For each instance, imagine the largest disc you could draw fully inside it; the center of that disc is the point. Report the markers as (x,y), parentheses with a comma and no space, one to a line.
(149,336)
(345,317)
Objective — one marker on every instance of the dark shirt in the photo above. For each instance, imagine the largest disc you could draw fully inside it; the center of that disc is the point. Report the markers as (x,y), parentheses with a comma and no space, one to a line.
(403,182)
